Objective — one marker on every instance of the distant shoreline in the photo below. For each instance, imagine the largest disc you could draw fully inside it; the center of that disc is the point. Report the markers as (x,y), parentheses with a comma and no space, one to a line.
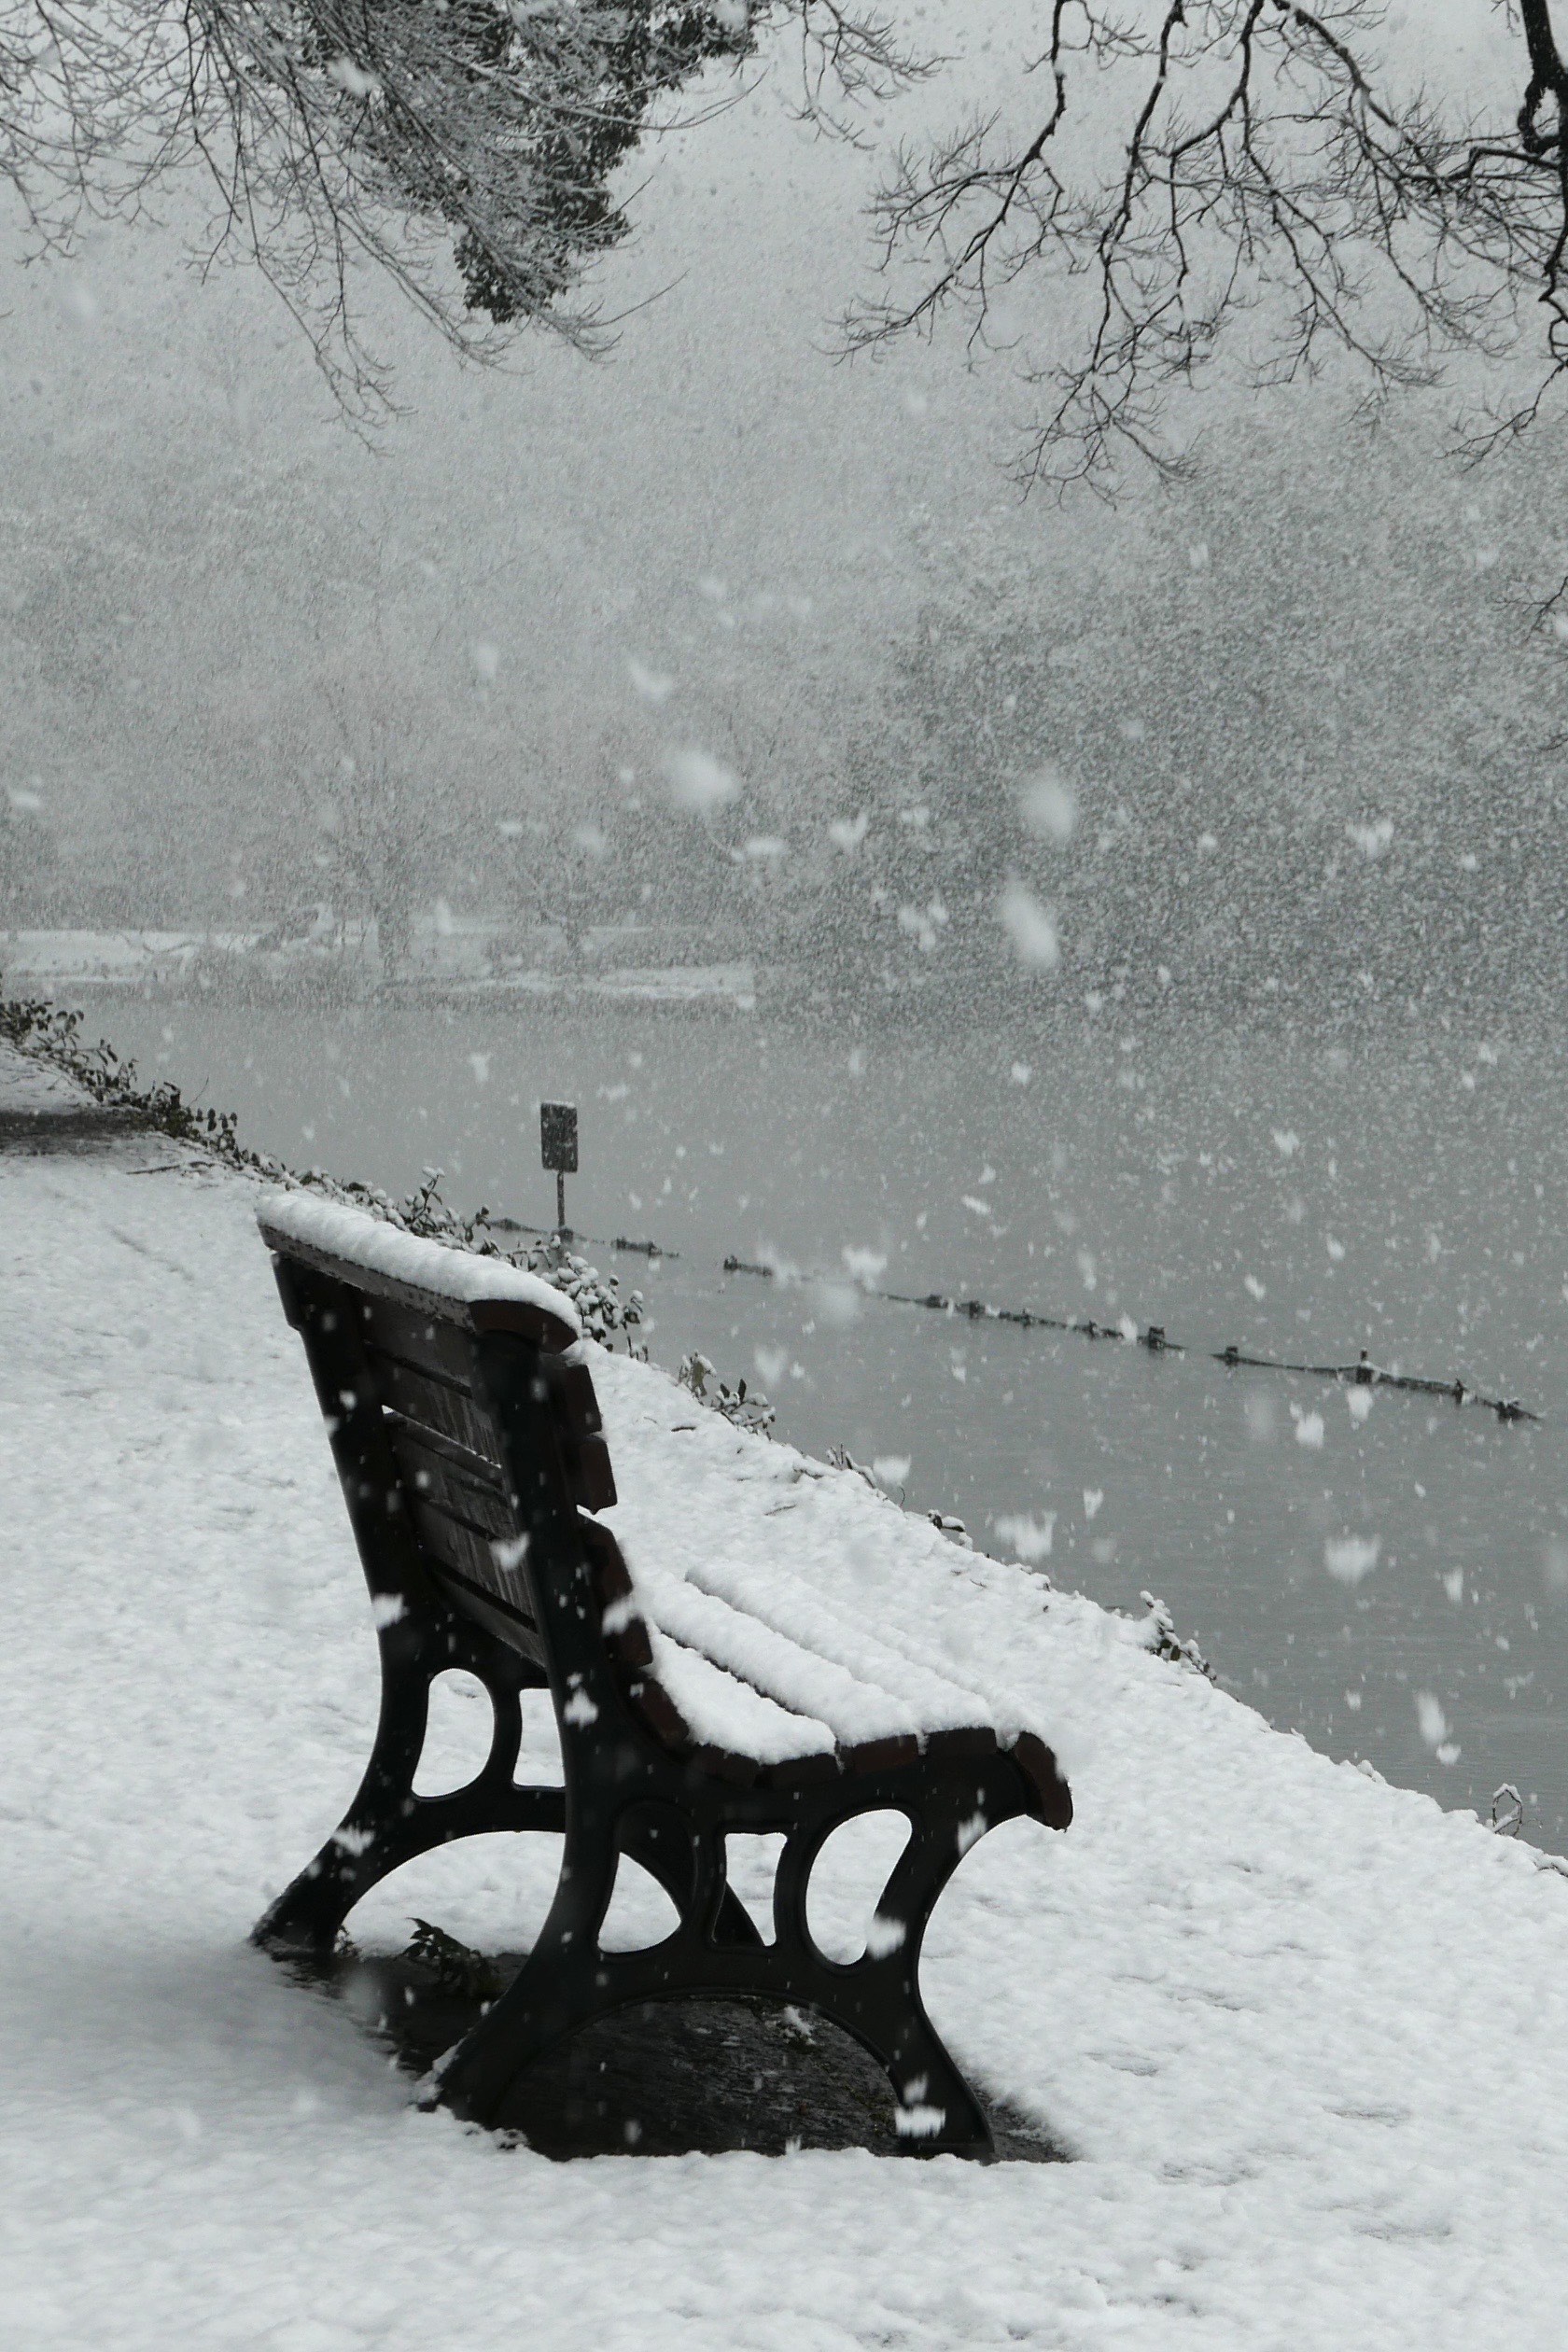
(463,971)
(237,968)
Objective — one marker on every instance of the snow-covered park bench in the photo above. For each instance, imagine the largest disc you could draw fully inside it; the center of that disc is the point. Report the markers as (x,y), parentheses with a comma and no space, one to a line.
(468,1438)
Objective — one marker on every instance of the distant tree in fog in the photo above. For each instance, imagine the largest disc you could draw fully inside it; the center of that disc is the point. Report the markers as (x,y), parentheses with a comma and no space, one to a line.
(375,864)
(327,133)
(629,863)
(27,858)
(388,826)
(1294,182)
(554,869)
(1291,739)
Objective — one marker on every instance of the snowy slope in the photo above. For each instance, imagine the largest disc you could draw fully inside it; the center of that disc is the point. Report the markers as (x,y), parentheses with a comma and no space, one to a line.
(1305,2035)
(28,1087)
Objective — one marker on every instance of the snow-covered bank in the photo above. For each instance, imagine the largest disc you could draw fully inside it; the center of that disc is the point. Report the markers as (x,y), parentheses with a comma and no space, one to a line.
(468,967)
(1305,2035)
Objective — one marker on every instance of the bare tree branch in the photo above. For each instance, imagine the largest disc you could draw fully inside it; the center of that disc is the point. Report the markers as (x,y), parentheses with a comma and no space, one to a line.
(1263,182)
(1201,174)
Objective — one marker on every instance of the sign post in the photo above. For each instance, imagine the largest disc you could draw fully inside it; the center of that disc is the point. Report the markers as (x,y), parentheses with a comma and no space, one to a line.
(558,1151)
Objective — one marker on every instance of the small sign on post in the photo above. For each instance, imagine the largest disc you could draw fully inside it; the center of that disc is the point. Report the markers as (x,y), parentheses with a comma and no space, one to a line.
(558,1151)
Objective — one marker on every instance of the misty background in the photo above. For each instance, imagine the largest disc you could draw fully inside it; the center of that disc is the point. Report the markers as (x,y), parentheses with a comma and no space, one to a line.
(726,639)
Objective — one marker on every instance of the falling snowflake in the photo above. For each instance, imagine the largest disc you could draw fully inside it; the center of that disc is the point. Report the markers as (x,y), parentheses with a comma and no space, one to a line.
(1350,1558)
(1030,926)
(697,782)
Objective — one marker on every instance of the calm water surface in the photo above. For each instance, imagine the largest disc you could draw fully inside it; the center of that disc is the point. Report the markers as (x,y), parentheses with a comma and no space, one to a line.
(1303,1195)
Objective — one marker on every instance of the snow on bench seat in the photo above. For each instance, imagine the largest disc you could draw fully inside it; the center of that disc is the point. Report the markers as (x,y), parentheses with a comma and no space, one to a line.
(724,1712)
(850,1638)
(851,1700)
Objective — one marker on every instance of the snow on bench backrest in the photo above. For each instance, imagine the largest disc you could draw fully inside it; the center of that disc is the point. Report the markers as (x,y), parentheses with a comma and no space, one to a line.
(394,1264)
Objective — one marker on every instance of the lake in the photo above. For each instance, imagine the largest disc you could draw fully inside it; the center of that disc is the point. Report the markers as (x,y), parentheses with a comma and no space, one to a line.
(1384,1572)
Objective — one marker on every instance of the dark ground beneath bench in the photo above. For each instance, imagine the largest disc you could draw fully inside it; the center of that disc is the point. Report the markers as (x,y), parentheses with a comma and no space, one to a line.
(666,2079)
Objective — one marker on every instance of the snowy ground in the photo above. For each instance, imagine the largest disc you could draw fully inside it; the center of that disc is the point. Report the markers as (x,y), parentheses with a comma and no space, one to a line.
(1306,2036)
(118,956)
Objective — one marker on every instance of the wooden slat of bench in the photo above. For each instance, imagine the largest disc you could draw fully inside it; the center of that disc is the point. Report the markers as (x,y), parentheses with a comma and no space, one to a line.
(440,1351)
(586,1462)
(497,1616)
(436,1404)
(482,1468)
(438,1471)
(458,1544)
(571,1394)
(625,1633)
(578,1422)
(978,1741)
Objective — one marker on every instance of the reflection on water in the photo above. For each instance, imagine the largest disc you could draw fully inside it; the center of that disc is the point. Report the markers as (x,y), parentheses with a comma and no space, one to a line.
(1391,1577)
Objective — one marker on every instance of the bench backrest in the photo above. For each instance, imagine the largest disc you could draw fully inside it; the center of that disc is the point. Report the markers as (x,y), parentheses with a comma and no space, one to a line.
(422,1388)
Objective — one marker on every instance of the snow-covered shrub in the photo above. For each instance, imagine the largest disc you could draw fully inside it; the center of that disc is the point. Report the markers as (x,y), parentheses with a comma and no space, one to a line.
(747,1408)
(1159,1634)
(596,1297)
(51,1034)
(842,1458)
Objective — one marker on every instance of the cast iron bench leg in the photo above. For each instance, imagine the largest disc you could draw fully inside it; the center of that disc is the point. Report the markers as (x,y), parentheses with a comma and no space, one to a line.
(878,1997)
(389,1824)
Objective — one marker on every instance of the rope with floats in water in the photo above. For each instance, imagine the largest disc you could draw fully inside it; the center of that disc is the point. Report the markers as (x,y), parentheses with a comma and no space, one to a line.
(1362,1374)
(1365,1374)
(649,1250)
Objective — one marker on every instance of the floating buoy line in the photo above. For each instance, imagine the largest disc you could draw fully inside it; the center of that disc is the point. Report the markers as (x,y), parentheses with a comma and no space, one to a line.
(595,1241)
(1364,1373)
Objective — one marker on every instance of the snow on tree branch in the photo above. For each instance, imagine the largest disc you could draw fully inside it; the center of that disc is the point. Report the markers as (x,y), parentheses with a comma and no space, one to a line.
(467,147)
